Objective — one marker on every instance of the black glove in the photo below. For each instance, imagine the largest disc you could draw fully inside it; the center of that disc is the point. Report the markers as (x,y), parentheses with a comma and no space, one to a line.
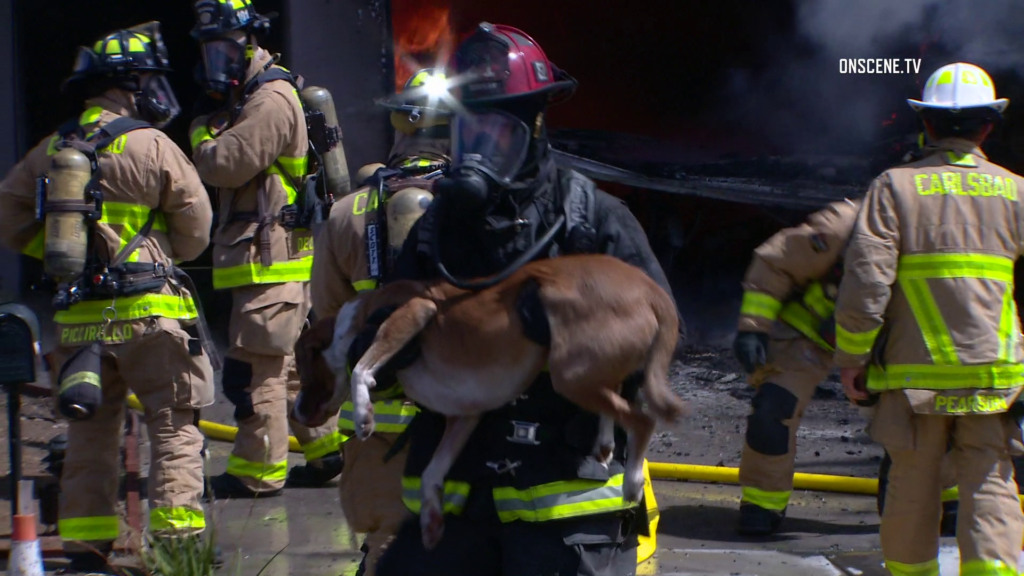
(387,376)
(751,349)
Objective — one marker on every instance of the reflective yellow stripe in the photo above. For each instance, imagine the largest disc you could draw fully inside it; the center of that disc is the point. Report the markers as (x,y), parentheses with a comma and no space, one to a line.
(296,167)
(131,217)
(767,500)
(1008,333)
(36,247)
(80,378)
(165,519)
(558,500)
(816,301)
(200,135)
(392,416)
(364,285)
(855,343)
(951,494)
(89,528)
(236,4)
(804,322)
(940,377)
(986,568)
(90,116)
(961,159)
(455,495)
(929,319)
(760,305)
(261,471)
(982,266)
(256,273)
(130,308)
(323,446)
(929,568)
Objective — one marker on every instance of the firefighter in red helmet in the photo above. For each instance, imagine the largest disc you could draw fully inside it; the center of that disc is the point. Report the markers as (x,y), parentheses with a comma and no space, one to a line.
(525,496)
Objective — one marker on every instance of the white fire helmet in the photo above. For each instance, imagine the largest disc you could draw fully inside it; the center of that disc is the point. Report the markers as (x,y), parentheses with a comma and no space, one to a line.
(959,86)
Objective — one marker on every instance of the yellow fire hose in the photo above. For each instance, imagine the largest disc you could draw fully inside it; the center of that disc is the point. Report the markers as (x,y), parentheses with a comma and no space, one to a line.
(658,470)
(213,430)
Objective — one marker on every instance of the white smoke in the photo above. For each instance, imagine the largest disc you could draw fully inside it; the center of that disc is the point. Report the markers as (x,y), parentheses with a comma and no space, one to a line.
(803,103)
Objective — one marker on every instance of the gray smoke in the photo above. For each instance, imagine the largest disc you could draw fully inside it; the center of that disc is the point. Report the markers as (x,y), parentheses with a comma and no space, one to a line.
(802,102)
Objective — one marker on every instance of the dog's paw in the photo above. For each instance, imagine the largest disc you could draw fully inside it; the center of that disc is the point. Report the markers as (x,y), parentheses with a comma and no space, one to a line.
(603,453)
(633,487)
(365,423)
(431,523)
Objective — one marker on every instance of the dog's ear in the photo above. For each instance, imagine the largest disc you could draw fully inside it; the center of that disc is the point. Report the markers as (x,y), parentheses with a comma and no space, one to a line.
(312,342)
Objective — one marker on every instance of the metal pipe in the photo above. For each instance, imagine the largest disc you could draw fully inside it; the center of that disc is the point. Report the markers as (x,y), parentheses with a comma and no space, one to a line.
(14,441)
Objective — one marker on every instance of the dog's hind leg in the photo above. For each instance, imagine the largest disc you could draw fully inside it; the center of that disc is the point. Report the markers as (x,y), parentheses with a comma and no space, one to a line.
(400,328)
(456,433)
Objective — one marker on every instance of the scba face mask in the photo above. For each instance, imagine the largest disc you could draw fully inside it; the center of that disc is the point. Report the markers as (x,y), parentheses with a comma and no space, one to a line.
(156,102)
(223,62)
(488,150)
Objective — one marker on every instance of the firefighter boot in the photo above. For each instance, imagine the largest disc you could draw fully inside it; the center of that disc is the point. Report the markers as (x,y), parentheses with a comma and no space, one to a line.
(91,562)
(316,473)
(757,521)
(228,486)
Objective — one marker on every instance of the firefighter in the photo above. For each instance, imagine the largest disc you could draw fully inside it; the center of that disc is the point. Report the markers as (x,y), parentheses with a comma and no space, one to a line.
(371,488)
(525,496)
(143,210)
(926,316)
(254,150)
(785,341)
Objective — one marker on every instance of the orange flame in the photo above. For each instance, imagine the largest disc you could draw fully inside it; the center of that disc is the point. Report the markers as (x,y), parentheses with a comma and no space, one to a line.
(423,35)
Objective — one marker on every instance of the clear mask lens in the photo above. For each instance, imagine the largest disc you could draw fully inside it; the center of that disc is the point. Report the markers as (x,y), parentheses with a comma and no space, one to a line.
(163,103)
(223,60)
(493,142)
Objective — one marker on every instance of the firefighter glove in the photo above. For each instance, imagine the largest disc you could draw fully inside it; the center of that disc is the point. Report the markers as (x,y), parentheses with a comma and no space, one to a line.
(751,350)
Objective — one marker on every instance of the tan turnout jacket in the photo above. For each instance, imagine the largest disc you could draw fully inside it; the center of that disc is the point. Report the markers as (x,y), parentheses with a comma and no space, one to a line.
(793,276)
(927,291)
(143,170)
(268,137)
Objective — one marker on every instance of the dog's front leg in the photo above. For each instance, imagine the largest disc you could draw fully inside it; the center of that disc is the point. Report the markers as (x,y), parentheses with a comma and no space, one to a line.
(604,445)
(456,433)
(400,328)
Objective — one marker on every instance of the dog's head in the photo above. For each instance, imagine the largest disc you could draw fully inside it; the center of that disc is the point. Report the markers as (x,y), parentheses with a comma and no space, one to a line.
(321,358)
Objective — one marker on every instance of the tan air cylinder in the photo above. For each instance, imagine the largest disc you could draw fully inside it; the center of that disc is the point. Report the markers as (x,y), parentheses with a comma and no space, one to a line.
(403,209)
(335,165)
(67,233)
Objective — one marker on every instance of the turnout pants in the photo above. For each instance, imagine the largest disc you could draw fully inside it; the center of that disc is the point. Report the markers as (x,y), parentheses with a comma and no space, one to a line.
(990,524)
(481,545)
(371,493)
(798,365)
(172,385)
(260,379)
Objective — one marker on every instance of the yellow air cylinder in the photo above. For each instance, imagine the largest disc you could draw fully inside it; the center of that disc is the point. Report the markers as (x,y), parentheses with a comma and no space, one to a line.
(67,233)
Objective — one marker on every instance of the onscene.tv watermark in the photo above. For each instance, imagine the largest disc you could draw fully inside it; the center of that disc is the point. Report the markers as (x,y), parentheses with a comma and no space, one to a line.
(879,65)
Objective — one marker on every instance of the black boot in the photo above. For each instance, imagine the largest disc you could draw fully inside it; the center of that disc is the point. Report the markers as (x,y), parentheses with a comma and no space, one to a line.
(93,562)
(757,521)
(228,486)
(948,525)
(315,475)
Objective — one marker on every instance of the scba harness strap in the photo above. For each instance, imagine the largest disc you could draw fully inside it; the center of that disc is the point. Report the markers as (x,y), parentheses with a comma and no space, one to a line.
(313,205)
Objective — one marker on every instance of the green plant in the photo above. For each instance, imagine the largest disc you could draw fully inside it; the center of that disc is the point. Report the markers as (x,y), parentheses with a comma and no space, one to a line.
(190,555)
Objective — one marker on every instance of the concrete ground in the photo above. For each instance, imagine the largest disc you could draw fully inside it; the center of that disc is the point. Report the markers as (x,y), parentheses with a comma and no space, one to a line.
(304,532)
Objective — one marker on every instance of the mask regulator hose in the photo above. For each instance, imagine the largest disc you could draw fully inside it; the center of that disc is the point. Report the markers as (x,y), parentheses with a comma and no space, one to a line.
(484,283)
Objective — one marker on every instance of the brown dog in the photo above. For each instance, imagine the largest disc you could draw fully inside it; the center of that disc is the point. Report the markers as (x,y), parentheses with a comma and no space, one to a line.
(607,320)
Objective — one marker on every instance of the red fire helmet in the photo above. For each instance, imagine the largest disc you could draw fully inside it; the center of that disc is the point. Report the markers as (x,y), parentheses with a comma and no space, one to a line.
(500,63)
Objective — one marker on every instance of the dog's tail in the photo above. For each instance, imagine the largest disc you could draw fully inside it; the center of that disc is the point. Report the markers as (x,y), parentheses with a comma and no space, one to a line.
(661,400)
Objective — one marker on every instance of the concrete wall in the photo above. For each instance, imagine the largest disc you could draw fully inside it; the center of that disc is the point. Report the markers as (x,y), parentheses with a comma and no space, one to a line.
(345,46)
